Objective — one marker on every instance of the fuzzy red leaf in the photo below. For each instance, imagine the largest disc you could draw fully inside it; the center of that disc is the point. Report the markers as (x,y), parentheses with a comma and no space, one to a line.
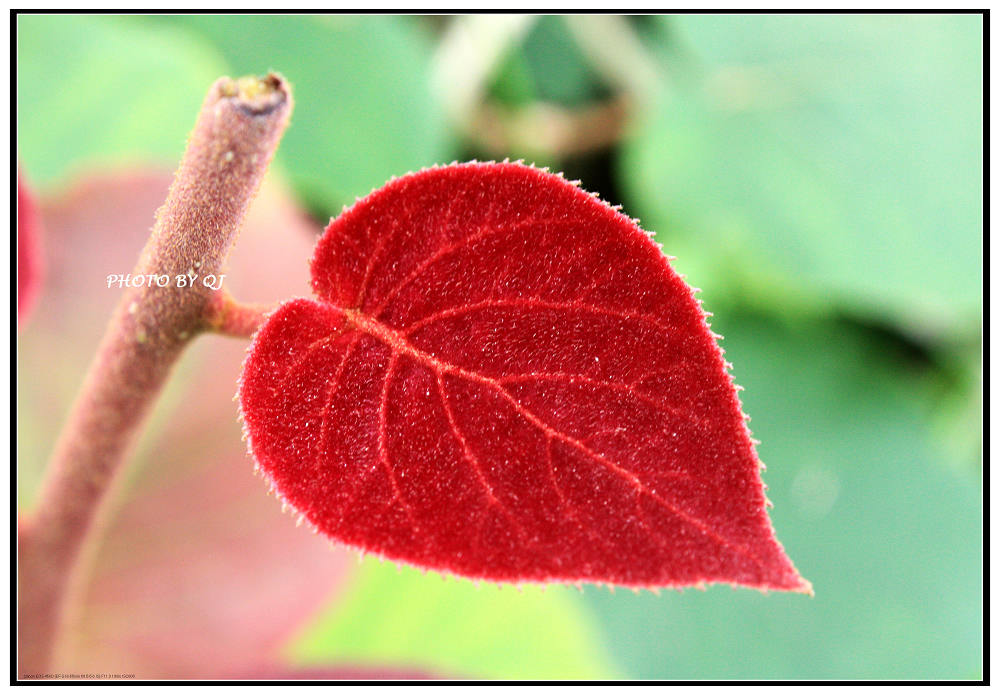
(501,377)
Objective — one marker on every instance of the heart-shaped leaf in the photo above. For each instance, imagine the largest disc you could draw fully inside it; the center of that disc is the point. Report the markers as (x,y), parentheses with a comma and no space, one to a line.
(501,377)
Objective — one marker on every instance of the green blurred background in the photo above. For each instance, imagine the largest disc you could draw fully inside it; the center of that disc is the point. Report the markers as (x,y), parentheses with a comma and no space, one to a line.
(819,177)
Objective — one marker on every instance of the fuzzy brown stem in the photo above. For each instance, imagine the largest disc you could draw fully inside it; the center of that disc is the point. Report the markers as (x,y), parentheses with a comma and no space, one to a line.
(234,138)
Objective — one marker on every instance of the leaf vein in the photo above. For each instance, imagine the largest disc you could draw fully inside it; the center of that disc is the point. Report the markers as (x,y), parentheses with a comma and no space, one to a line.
(446,251)
(533,303)
(383,450)
(328,403)
(624,388)
(473,460)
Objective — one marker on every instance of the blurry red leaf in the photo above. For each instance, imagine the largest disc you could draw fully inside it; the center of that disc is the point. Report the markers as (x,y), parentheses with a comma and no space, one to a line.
(502,377)
(194,573)
(29,252)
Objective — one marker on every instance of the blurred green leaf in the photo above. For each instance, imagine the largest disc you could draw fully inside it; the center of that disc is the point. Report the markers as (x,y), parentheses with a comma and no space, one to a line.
(957,400)
(890,539)
(104,89)
(824,160)
(513,84)
(363,106)
(553,64)
(454,628)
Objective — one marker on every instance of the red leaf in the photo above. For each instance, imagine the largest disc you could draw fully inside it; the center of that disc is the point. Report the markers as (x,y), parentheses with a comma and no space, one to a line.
(192,572)
(29,253)
(503,378)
